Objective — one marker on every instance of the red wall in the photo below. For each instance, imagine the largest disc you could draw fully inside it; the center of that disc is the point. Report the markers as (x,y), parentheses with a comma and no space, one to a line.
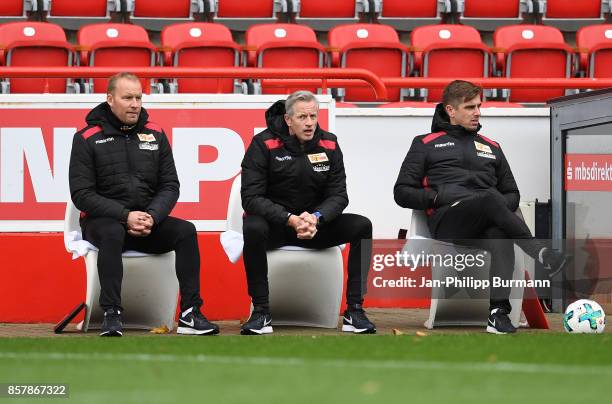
(39,282)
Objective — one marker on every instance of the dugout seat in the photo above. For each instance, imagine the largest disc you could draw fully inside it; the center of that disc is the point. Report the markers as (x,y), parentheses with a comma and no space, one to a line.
(405,15)
(291,272)
(123,45)
(198,44)
(595,50)
(448,50)
(460,306)
(72,14)
(239,14)
(408,104)
(35,44)
(533,51)
(322,15)
(423,104)
(149,291)
(374,47)
(156,14)
(570,15)
(15,10)
(283,46)
(486,15)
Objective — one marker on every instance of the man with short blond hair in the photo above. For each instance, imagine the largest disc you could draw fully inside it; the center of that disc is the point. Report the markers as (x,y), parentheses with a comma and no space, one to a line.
(124,182)
(294,193)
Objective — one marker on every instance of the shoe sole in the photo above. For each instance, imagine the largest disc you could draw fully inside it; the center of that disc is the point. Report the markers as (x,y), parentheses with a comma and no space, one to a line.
(493,330)
(561,267)
(111,334)
(251,331)
(193,331)
(350,328)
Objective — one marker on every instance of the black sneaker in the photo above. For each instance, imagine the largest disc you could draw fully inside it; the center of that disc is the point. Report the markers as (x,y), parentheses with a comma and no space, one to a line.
(555,261)
(193,322)
(355,320)
(499,323)
(259,323)
(112,326)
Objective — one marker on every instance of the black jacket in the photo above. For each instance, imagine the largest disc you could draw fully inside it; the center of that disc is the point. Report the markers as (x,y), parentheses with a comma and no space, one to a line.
(114,169)
(280,176)
(450,164)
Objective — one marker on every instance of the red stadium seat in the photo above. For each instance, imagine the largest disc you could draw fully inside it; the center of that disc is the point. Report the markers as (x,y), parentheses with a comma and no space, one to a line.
(162,8)
(423,104)
(11,8)
(408,104)
(573,9)
(374,47)
(487,15)
(327,9)
(447,50)
(283,45)
(408,9)
(405,15)
(595,46)
(34,44)
(240,14)
(534,51)
(73,14)
(198,44)
(115,45)
(78,8)
(156,14)
(571,14)
(242,9)
(491,9)
(325,14)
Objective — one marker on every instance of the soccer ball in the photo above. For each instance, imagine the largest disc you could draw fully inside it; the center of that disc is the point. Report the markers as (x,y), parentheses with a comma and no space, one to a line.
(584,317)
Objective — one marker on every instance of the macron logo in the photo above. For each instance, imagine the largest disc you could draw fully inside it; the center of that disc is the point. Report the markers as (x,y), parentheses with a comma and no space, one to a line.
(284,158)
(447,144)
(108,139)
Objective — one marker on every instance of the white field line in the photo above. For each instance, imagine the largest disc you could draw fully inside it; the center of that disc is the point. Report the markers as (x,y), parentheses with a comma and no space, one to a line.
(509,367)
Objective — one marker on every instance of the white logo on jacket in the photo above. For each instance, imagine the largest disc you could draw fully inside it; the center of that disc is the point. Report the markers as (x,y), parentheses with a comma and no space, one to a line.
(486,155)
(108,139)
(284,158)
(447,144)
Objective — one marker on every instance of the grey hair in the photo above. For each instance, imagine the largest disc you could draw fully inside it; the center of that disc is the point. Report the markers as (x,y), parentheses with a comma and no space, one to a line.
(299,96)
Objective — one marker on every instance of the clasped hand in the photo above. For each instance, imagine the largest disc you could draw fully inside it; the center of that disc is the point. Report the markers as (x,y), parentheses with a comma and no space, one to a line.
(139,223)
(305,225)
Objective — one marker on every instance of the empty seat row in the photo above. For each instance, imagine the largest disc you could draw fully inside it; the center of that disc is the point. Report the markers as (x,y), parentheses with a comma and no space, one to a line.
(319,14)
(447,51)
(425,104)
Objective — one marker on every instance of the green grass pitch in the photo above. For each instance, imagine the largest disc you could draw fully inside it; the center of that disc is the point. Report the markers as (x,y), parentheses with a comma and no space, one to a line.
(462,368)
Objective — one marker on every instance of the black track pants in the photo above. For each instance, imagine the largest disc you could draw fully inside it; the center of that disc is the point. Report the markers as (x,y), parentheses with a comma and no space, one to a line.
(260,236)
(112,239)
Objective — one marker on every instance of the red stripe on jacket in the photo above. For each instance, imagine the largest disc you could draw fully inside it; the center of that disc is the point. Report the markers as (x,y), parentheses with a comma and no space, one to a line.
(328,144)
(153,126)
(273,144)
(91,131)
(492,142)
(433,136)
